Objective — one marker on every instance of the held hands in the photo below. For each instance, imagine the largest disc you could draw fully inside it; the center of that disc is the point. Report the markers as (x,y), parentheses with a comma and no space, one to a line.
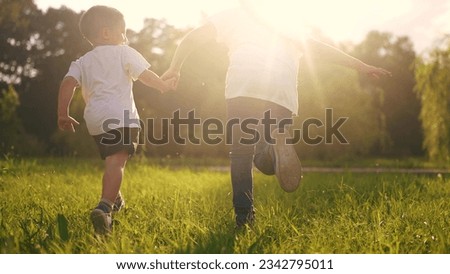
(67,123)
(170,79)
(169,84)
(172,75)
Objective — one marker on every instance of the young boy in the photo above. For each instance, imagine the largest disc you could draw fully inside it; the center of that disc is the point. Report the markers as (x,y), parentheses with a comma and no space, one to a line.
(261,79)
(105,75)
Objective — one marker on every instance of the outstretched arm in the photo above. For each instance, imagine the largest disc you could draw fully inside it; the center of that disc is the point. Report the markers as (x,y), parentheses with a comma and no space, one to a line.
(66,91)
(329,53)
(188,44)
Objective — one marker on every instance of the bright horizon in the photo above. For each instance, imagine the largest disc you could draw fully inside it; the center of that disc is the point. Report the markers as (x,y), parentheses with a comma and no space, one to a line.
(344,21)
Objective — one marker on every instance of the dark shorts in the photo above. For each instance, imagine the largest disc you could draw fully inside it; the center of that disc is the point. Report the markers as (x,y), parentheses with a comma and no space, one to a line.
(116,140)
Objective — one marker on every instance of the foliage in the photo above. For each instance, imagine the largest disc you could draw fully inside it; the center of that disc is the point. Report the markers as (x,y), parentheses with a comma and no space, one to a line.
(19,40)
(46,202)
(433,88)
(9,122)
(61,44)
(394,99)
(39,46)
(325,86)
(13,137)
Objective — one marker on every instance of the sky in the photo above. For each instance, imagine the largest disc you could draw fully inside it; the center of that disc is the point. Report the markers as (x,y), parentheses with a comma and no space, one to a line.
(424,21)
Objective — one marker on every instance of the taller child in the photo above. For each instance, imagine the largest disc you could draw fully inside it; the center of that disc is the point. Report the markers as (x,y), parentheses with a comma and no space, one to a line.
(261,78)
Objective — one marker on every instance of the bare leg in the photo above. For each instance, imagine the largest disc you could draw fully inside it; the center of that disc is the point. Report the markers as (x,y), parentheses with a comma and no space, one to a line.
(112,177)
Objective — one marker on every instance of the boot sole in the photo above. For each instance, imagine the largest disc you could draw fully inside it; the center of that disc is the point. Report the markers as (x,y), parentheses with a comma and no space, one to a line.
(288,169)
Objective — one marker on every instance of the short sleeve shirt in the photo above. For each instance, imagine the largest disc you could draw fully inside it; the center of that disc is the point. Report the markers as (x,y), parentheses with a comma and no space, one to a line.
(263,64)
(106,76)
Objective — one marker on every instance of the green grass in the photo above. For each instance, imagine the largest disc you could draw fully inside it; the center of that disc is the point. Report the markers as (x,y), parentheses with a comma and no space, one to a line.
(45,206)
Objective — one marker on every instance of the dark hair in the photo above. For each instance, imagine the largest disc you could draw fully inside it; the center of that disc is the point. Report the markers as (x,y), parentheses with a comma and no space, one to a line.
(98,17)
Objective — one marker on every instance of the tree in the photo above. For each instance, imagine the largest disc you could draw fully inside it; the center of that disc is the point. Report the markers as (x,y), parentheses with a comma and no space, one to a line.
(433,89)
(325,86)
(34,56)
(13,138)
(9,122)
(61,43)
(18,40)
(394,97)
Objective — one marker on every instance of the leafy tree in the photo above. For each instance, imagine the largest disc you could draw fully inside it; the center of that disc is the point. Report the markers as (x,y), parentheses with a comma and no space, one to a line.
(9,122)
(18,40)
(18,44)
(34,55)
(397,104)
(433,88)
(326,86)
(61,43)
(13,138)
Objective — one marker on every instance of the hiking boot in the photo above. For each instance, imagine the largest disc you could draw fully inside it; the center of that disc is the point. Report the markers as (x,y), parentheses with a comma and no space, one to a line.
(102,221)
(288,169)
(119,203)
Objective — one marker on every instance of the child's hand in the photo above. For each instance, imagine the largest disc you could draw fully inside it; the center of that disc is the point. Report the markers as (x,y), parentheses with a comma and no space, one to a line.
(169,84)
(172,74)
(66,123)
(376,72)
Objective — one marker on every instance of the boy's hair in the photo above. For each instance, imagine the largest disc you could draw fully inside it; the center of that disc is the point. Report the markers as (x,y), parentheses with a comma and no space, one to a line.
(96,18)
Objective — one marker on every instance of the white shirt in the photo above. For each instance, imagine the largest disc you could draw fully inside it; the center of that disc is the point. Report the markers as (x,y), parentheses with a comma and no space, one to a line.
(263,65)
(106,76)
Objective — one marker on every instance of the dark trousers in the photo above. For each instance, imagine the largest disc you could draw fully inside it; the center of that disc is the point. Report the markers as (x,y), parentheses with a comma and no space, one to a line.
(258,118)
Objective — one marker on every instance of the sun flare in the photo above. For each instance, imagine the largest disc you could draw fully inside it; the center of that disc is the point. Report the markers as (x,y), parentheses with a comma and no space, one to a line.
(340,20)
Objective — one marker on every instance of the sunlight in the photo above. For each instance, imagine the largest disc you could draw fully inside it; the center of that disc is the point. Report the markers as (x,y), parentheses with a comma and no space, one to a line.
(282,16)
(343,20)
(339,20)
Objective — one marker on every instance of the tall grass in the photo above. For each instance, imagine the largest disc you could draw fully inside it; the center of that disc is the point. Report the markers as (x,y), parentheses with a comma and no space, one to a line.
(45,206)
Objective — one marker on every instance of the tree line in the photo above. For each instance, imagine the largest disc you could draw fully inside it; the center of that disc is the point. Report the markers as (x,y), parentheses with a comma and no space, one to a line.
(405,115)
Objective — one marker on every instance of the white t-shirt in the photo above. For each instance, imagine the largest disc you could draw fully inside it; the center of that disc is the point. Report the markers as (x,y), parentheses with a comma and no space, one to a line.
(106,76)
(263,65)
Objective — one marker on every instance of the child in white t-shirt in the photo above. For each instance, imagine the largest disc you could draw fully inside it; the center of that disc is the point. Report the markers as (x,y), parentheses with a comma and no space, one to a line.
(261,85)
(105,75)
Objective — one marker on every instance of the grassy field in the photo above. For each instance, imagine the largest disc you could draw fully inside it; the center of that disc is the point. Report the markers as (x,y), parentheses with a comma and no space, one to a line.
(45,206)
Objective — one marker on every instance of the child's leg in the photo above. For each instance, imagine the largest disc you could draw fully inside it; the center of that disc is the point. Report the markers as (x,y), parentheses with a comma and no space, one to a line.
(112,179)
(241,161)
(115,151)
(113,174)
(119,203)
(115,147)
